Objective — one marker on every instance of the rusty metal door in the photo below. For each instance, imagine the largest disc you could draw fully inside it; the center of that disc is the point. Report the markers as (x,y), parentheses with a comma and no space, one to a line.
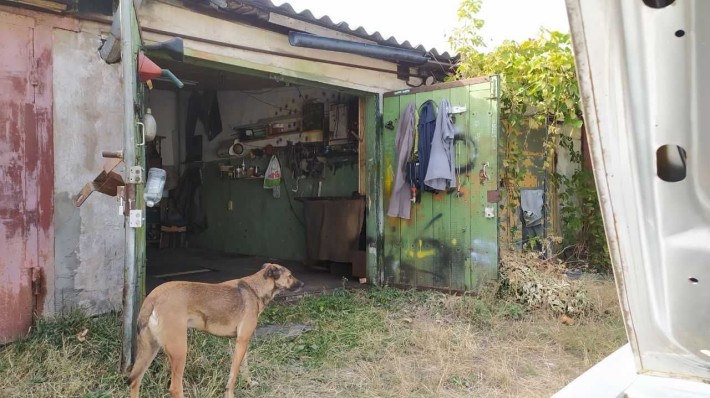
(18,185)
(451,240)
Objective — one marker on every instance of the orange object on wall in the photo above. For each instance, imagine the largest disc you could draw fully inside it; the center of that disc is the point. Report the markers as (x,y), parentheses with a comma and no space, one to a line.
(147,69)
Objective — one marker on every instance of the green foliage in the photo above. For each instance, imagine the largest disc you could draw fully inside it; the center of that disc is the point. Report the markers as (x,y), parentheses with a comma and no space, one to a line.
(466,37)
(538,89)
(340,321)
(582,224)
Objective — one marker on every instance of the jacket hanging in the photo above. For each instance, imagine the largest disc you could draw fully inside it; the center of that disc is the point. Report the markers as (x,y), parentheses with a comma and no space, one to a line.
(441,172)
(426,129)
(400,199)
(214,121)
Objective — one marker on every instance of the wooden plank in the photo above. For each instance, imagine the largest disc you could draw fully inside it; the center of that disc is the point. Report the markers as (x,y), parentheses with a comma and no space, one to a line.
(362,147)
(466,157)
(391,231)
(484,233)
(494,103)
(43,4)
(409,233)
(407,268)
(434,225)
(374,217)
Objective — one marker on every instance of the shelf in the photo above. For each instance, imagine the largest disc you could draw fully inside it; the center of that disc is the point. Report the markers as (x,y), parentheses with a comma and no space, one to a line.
(328,198)
(243,178)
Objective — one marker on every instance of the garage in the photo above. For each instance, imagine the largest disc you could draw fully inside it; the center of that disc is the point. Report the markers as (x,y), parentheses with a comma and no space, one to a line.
(223,213)
(260,84)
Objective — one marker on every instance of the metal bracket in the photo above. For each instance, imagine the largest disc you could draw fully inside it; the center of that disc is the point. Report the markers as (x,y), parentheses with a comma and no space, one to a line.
(135,219)
(142,126)
(489,212)
(493,196)
(483,175)
(107,182)
(403,72)
(121,197)
(37,280)
(135,175)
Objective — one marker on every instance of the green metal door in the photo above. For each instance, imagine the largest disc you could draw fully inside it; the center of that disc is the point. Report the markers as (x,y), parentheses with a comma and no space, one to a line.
(451,240)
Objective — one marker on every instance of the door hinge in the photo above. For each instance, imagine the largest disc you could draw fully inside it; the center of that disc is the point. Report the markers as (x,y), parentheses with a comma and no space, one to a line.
(37,280)
(135,175)
(34,80)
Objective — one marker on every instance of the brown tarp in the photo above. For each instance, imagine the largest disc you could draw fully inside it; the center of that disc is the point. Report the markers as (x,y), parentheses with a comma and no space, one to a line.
(333,227)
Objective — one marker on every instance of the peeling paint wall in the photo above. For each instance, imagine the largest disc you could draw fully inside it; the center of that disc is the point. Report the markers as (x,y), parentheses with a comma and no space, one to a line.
(89,240)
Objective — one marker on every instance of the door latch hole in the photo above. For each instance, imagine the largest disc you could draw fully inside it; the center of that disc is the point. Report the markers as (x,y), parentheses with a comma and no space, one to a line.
(679,33)
(693,280)
(658,3)
(670,163)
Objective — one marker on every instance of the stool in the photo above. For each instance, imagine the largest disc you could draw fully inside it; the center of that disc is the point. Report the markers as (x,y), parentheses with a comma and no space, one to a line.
(172,232)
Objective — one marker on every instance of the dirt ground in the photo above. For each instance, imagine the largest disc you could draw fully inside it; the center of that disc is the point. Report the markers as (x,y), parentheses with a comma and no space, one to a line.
(378,342)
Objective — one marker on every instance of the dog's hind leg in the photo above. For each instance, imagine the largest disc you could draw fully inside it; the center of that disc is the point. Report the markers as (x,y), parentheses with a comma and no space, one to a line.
(176,349)
(145,353)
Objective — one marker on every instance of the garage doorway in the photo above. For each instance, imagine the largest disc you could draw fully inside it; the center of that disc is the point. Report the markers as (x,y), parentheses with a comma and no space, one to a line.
(216,138)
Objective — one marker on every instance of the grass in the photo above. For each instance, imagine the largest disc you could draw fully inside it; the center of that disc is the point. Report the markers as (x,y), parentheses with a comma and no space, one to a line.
(379,342)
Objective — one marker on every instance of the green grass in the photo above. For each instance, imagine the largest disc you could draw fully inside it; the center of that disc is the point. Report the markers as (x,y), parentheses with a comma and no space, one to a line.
(379,342)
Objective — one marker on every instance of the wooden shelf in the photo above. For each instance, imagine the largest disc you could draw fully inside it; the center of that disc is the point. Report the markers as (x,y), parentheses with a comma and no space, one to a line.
(243,178)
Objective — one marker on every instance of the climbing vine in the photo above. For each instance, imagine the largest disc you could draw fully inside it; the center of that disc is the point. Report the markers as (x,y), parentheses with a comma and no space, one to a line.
(538,91)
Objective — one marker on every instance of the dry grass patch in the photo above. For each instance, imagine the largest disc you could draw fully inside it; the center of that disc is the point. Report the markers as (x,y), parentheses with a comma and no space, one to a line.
(371,343)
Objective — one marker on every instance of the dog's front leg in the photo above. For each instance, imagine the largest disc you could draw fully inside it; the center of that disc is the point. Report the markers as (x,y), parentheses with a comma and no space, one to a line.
(244,371)
(240,350)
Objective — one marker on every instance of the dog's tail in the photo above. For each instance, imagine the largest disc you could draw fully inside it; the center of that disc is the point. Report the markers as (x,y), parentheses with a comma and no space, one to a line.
(145,341)
(144,315)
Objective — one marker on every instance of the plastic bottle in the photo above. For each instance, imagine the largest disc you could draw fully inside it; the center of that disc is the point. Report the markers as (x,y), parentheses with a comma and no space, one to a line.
(154,186)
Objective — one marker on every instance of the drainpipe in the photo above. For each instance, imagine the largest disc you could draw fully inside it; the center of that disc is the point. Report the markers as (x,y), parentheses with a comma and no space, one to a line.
(128,65)
(415,57)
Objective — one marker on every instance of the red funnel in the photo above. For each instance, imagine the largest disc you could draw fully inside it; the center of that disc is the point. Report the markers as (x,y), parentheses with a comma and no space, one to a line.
(147,69)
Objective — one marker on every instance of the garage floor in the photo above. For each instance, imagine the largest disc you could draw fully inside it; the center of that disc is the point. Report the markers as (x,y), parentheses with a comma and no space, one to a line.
(200,265)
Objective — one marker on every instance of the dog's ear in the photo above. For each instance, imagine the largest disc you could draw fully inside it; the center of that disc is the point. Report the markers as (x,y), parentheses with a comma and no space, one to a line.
(272,271)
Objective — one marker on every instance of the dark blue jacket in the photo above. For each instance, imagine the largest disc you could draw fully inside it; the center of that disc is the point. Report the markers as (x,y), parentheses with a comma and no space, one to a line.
(426,127)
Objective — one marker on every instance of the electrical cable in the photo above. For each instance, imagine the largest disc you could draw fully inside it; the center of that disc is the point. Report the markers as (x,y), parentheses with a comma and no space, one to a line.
(262,101)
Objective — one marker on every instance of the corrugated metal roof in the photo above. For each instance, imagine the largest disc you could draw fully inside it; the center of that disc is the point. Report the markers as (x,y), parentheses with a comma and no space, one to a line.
(260,9)
(253,7)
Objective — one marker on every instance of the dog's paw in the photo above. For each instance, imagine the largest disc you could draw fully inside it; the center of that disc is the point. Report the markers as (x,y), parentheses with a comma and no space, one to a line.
(250,383)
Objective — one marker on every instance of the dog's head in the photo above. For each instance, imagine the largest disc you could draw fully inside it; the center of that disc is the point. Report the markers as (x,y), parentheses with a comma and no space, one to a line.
(283,278)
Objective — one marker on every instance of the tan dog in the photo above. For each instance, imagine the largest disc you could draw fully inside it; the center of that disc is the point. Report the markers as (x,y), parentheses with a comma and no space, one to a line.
(229,309)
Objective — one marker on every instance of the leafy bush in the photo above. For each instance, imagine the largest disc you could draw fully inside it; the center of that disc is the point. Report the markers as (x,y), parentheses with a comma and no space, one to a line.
(538,89)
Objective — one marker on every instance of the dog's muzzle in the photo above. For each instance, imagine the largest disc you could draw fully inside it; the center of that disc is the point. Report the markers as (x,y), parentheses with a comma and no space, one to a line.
(296,286)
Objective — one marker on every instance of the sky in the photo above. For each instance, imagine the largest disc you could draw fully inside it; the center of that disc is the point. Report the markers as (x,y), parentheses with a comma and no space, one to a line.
(431,22)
